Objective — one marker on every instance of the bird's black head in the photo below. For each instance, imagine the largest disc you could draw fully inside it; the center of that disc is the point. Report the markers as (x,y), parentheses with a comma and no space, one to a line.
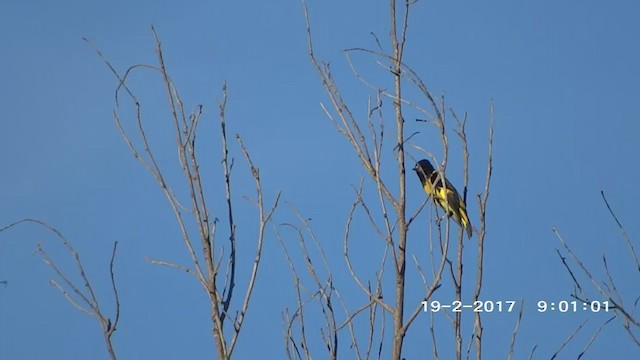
(424,169)
(424,166)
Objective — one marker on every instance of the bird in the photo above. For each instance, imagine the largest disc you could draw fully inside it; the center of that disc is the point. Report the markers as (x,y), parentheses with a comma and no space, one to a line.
(446,197)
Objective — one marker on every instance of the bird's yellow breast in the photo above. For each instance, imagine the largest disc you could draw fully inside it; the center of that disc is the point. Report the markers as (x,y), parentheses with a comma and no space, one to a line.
(440,192)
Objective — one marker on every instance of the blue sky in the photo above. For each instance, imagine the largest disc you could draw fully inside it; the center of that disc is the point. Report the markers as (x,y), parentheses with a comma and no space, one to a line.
(563,77)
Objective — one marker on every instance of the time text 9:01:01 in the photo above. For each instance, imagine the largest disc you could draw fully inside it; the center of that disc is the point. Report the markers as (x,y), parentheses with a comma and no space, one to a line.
(564,306)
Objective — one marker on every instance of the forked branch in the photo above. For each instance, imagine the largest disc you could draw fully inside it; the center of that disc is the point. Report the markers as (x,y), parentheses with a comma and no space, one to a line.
(81,296)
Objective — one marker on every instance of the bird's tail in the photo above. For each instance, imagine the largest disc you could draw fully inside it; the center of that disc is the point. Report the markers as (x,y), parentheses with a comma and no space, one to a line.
(465,223)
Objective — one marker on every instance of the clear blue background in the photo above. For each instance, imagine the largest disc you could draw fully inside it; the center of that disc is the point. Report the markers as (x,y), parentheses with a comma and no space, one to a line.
(563,76)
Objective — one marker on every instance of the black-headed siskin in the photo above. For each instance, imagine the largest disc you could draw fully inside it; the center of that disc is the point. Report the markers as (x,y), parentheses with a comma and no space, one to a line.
(447,197)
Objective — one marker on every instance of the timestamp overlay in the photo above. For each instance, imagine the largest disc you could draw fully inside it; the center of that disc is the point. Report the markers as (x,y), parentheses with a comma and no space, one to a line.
(508,306)
(573,306)
(488,306)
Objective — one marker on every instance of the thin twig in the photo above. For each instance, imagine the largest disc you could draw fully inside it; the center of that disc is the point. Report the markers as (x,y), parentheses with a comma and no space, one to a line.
(624,232)
(85,302)
(568,340)
(594,337)
(515,332)
(482,201)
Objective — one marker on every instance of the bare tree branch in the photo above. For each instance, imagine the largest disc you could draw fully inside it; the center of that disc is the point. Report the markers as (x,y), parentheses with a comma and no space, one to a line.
(206,264)
(515,332)
(568,340)
(83,300)
(624,232)
(594,337)
(482,201)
